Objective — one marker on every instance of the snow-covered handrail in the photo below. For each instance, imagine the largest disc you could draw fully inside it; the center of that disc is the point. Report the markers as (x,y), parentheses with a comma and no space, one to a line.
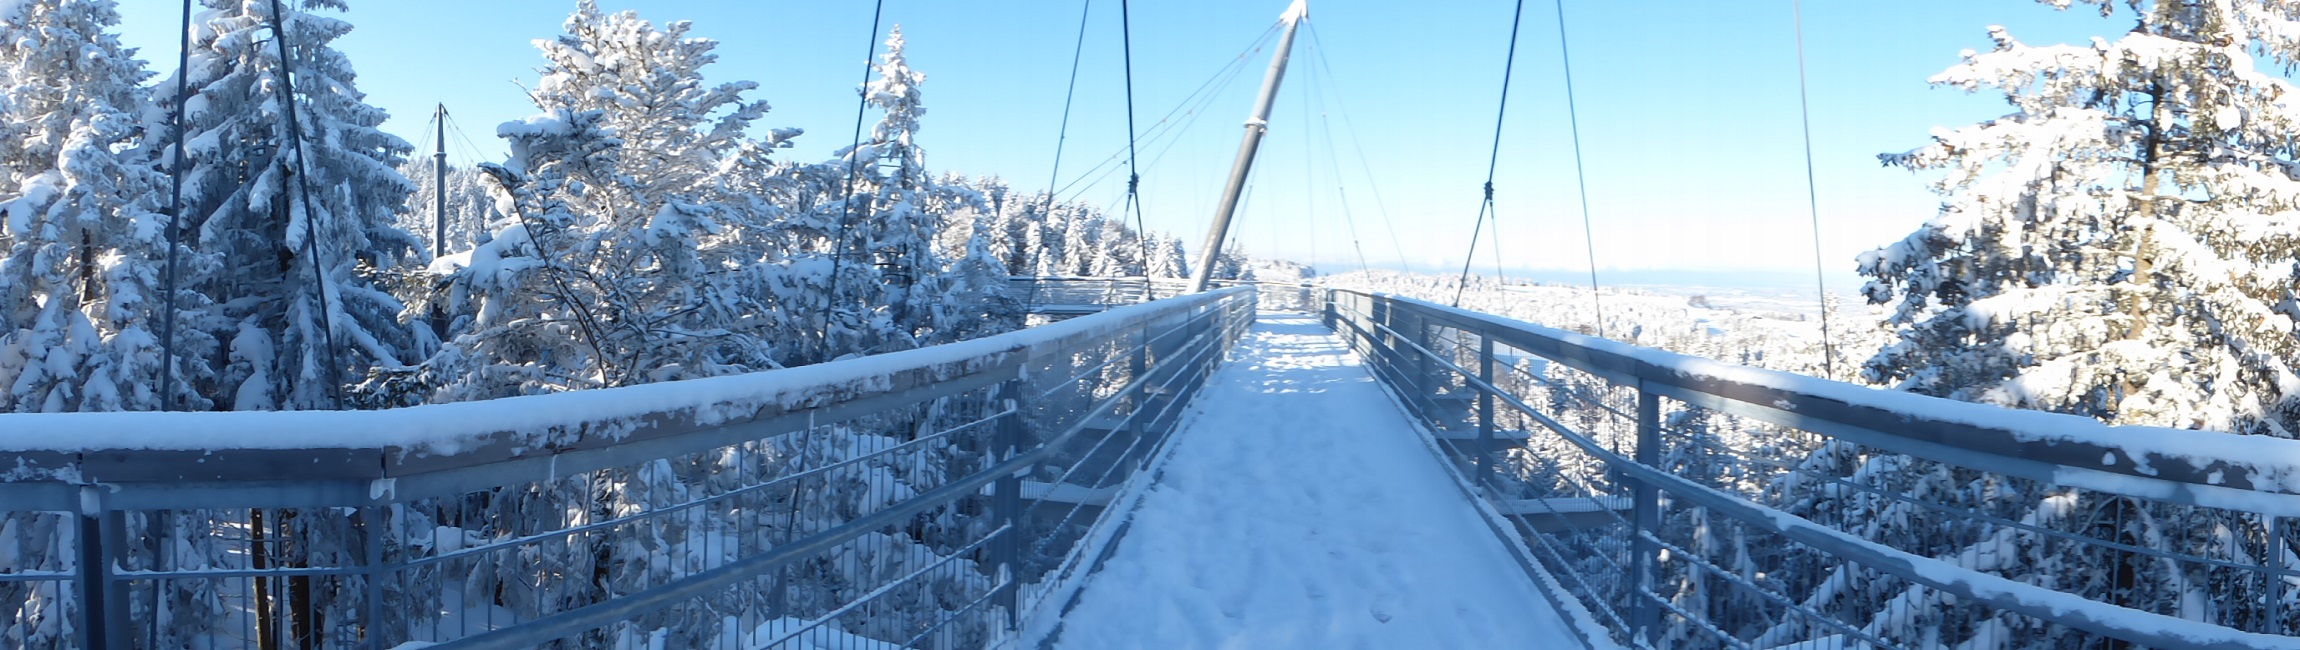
(431,434)
(1633,572)
(2211,468)
(585,515)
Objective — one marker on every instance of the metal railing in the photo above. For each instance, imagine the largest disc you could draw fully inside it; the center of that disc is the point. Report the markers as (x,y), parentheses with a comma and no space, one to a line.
(913,499)
(1679,502)
(1062,295)
(1059,295)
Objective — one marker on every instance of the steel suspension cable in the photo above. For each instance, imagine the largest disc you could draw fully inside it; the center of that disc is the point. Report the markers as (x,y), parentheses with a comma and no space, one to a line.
(1173,136)
(310,215)
(1493,160)
(1812,193)
(1192,107)
(1061,137)
(175,216)
(1133,173)
(1333,159)
(431,140)
(1580,173)
(1358,145)
(846,215)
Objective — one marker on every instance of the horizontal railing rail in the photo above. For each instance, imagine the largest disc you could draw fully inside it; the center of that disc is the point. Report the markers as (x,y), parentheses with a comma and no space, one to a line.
(1064,295)
(901,499)
(1765,509)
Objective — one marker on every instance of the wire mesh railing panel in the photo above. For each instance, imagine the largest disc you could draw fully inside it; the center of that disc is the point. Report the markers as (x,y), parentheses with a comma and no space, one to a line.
(1684,505)
(906,502)
(39,579)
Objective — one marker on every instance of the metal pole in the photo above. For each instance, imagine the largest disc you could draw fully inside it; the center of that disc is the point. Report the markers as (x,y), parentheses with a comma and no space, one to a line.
(439,211)
(439,186)
(374,530)
(1006,506)
(1484,412)
(1646,617)
(115,603)
(94,570)
(1254,128)
(1138,423)
(2276,548)
(175,215)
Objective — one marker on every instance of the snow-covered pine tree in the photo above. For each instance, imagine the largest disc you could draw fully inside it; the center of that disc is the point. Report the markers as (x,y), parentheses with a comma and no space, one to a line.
(978,303)
(1233,264)
(1081,228)
(1119,251)
(1040,238)
(619,195)
(648,84)
(1168,259)
(2119,246)
(1005,228)
(81,245)
(243,201)
(893,225)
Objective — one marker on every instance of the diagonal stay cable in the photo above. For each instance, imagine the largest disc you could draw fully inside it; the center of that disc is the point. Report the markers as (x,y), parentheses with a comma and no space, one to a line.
(846,216)
(1133,172)
(1812,193)
(286,90)
(1357,144)
(175,215)
(1580,174)
(1061,137)
(1493,160)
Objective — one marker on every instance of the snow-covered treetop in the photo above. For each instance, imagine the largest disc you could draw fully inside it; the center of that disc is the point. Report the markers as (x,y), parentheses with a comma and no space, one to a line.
(2121,244)
(648,83)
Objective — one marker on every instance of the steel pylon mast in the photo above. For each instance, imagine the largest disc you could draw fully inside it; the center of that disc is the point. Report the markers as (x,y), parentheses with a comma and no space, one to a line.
(1255,127)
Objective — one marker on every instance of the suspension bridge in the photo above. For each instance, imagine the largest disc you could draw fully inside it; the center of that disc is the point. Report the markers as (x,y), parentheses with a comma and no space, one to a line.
(1272,465)
(1158,464)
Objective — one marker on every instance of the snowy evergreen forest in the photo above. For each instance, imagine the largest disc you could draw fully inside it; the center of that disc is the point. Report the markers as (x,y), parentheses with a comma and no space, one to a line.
(643,230)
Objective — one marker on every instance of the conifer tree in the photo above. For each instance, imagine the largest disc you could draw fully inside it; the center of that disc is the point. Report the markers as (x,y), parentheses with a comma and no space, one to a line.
(296,325)
(2119,246)
(80,286)
(895,224)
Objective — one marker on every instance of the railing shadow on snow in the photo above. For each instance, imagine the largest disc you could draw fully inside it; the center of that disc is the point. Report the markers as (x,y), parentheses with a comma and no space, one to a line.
(1672,501)
(915,499)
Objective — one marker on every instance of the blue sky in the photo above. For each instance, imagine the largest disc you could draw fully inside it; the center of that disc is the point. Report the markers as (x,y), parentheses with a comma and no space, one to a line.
(1688,110)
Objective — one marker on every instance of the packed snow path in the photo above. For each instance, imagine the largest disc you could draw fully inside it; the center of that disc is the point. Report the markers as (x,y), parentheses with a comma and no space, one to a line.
(1301,510)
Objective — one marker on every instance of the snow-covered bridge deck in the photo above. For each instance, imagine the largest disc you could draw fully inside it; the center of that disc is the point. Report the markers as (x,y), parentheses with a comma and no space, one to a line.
(1299,508)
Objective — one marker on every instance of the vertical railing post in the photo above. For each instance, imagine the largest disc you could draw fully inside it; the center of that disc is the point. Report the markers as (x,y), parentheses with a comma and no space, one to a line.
(372,524)
(1425,379)
(1383,345)
(2276,548)
(1484,476)
(115,549)
(1136,367)
(94,570)
(1006,504)
(1646,616)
